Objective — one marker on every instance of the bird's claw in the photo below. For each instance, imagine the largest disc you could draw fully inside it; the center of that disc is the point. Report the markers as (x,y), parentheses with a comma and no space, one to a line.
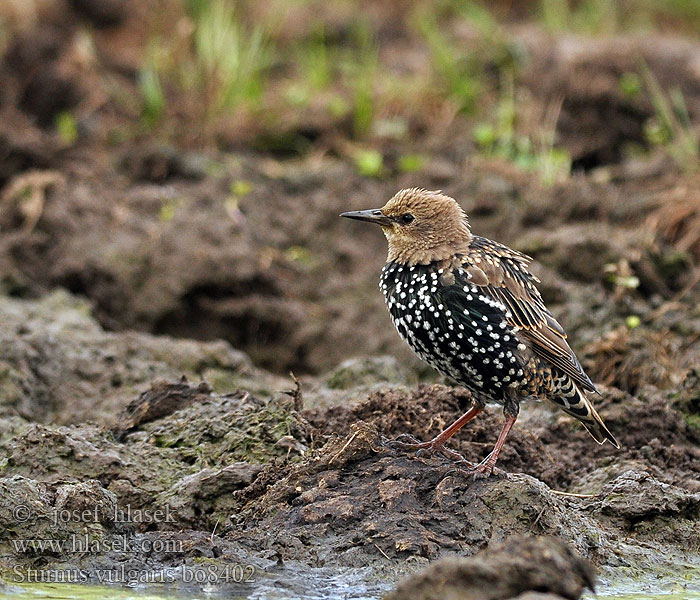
(405,441)
(484,470)
(455,456)
(426,448)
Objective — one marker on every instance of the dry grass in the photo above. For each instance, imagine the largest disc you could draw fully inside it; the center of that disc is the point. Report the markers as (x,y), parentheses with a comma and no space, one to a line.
(632,358)
(676,221)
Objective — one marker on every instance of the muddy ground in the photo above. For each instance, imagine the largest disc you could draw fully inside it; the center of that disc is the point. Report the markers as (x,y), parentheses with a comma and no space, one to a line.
(269,478)
(150,316)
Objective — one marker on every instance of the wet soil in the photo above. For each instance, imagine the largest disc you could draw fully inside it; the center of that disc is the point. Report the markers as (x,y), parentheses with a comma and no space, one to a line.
(283,477)
(152,308)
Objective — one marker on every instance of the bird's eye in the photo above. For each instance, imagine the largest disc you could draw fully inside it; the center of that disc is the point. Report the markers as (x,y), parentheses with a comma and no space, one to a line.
(407,218)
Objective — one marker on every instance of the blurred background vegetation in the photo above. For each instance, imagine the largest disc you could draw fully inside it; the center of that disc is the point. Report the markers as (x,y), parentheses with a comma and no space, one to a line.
(381,83)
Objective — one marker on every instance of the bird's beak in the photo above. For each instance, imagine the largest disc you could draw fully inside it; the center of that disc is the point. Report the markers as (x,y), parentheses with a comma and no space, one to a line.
(373,215)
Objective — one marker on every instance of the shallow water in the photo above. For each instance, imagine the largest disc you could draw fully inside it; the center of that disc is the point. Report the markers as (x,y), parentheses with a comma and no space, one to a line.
(315,584)
(278,584)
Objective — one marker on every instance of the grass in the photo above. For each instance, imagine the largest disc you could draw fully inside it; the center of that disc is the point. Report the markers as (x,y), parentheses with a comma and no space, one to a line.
(459,73)
(221,63)
(538,154)
(588,16)
(670,127)
(315,57)
(152,94)
(615,16)
(360,66)
(230,58)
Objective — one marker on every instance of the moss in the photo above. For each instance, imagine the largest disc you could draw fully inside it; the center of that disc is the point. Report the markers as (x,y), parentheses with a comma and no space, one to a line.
(693,421)
(222,380)
(368,371)
(228,429)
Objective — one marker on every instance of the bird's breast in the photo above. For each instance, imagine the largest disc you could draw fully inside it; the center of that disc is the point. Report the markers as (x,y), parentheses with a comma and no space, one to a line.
(455,328)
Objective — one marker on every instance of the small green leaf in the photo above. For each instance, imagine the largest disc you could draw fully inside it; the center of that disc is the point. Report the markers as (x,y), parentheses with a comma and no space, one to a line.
(633,321)
(167,210)
(409,163)
(369,163)
(241,187)
(630,282)
(66,127)
(297,95)
(337,107)
(484,135)
(154,101)
(630,84)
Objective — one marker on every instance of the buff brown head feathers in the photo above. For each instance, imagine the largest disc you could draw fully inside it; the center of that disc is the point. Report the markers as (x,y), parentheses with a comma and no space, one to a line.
(421,226)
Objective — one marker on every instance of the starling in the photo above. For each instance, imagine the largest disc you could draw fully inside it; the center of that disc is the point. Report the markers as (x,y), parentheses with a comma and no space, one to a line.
(468,306)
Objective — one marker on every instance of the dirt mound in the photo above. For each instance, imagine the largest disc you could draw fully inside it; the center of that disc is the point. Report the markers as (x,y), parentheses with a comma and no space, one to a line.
(543,443)
(58,365)
(365,501)
(546,567)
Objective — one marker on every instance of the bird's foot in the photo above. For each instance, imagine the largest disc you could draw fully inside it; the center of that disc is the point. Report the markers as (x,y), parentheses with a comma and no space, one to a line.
(408,442)
(485,468)
(405,440)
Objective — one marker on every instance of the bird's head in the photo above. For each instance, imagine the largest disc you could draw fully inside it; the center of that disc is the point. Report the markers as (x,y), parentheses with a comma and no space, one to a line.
(421,226)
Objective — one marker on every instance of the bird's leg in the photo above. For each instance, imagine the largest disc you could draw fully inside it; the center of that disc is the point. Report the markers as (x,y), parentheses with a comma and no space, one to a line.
(437,444)
(486,466)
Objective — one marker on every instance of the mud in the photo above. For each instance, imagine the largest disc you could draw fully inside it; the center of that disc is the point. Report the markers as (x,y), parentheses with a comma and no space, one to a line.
(320,487)
(157,294)
(504,571)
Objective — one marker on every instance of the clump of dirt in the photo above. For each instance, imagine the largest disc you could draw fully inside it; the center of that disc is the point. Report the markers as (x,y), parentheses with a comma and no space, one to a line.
(238,426)
(535,445)
(687,400)
(161,400)
(356,497)
(175,441)
(375,504)
(543,565)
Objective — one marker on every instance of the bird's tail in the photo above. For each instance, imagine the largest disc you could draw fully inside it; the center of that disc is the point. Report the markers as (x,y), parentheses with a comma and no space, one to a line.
(574,402)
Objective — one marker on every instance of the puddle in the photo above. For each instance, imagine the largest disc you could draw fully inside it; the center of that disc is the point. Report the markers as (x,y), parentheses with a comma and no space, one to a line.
(315,584)
(309,584)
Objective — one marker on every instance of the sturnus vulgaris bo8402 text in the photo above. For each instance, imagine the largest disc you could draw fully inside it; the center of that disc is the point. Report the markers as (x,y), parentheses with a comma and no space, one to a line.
(469,307)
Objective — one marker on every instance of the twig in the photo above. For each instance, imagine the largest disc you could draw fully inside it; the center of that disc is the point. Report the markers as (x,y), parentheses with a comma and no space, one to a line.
(537,520)
(211,539)
(296,393)
(345,447)
(384,554)
(572,495)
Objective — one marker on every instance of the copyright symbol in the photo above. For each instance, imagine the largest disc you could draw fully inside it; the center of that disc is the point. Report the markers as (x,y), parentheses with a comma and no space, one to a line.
(21,513)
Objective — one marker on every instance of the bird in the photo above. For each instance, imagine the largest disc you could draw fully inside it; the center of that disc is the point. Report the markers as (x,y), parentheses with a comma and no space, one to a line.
(470,308)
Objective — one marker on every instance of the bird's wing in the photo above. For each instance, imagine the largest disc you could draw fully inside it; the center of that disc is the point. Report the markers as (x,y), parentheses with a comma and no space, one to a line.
(503,274)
